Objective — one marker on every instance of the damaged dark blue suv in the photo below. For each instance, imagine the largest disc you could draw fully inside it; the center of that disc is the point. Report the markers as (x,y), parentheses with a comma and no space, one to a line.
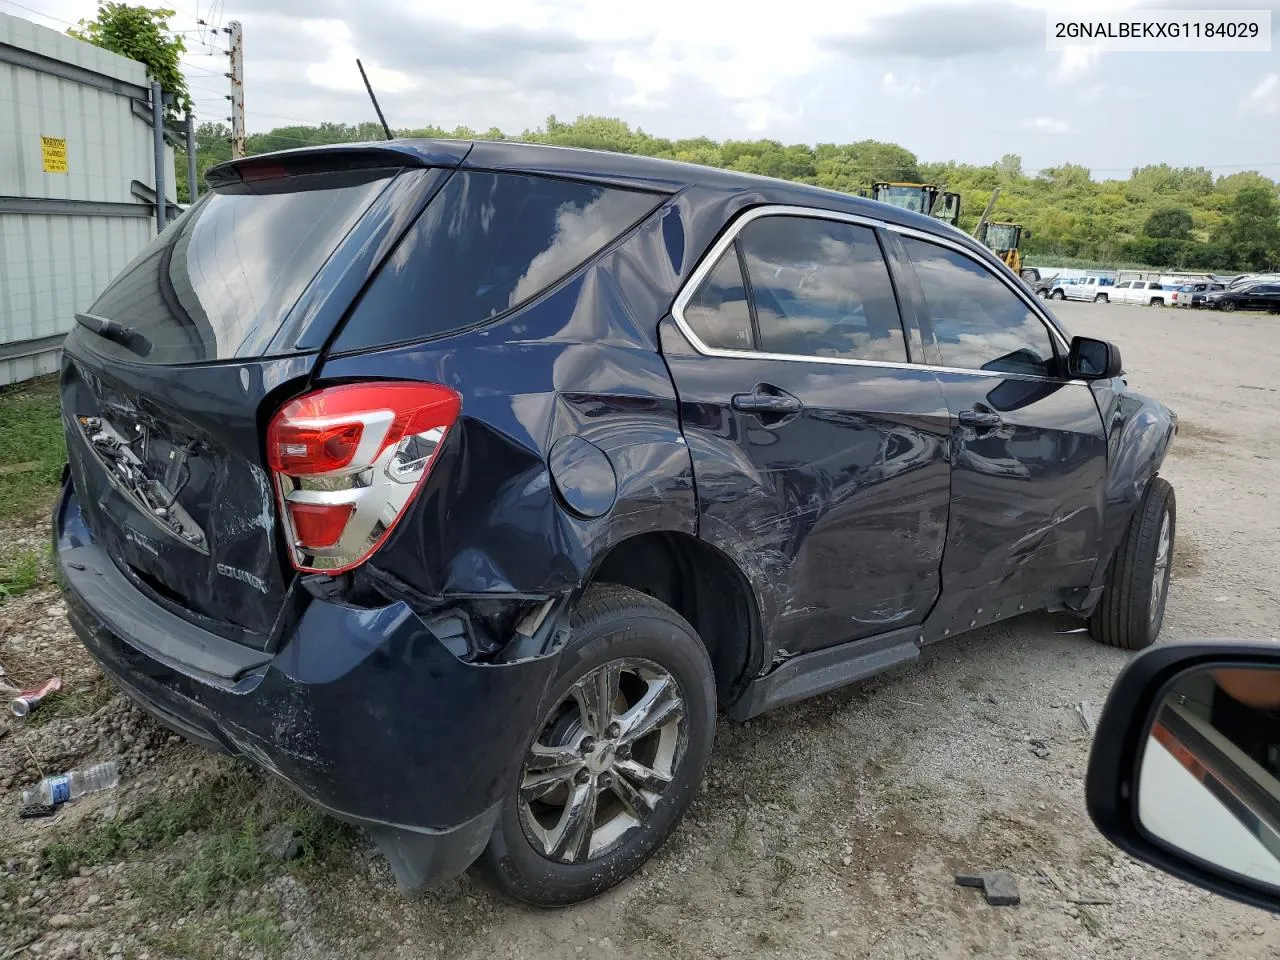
(459,484)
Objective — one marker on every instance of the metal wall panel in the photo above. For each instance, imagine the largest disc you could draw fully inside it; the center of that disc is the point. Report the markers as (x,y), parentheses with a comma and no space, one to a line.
(52,265)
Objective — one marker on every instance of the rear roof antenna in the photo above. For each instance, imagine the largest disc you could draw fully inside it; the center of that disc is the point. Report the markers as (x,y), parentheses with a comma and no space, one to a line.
(381,119)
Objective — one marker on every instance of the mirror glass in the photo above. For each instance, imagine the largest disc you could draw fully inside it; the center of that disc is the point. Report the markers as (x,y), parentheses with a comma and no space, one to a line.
(1089,357)
(1209,784)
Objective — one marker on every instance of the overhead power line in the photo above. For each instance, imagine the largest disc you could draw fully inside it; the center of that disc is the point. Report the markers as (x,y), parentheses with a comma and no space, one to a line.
(39,13)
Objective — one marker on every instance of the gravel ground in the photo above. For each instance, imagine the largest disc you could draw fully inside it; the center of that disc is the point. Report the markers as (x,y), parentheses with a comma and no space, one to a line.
(832,828)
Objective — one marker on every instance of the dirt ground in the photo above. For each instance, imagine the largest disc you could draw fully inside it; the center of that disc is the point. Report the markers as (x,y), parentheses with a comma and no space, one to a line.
(828,829)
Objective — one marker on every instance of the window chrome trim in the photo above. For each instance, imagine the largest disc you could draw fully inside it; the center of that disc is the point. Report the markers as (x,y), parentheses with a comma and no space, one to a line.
(713,255)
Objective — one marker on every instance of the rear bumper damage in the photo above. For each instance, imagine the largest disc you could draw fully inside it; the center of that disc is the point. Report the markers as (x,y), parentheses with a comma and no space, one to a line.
(365,712)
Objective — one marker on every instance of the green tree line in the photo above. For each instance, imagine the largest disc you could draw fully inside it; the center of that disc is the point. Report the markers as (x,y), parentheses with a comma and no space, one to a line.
(1163,216)
(1172,217)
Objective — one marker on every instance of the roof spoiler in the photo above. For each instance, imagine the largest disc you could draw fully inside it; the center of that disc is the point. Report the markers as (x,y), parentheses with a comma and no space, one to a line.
(339,157)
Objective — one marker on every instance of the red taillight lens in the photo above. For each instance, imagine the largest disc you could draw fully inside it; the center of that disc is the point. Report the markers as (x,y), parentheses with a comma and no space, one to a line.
(295,447)
(348,460)
(319,524)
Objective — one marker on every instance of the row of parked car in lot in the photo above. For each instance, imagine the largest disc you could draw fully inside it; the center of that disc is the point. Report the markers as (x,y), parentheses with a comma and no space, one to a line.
(1249,292)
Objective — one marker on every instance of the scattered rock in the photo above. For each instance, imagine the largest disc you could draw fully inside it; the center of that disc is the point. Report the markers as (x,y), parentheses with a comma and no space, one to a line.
(93,900)
(999,886)
(282,842)
(1258,931)
(61,920)
(289,926)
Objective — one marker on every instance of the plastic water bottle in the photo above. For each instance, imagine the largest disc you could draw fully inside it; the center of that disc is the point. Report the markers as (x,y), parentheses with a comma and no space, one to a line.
(52,791)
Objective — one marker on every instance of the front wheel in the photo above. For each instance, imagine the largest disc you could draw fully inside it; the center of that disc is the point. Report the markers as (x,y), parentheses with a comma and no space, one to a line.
(1058,295)
(1131,611)
(1102,298)
(1227,306)
(616,758)
(1042,294)
(1157,302)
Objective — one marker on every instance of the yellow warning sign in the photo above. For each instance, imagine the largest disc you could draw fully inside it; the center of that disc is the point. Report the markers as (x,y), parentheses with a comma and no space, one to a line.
(54,152)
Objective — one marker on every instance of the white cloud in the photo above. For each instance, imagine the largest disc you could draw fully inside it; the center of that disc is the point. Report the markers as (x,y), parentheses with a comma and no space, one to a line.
(1074,64)
(1046,125)
(905,87)
(338,70)
(1265,97)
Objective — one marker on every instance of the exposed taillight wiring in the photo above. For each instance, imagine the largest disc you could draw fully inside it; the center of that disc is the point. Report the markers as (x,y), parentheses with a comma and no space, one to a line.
(348,460)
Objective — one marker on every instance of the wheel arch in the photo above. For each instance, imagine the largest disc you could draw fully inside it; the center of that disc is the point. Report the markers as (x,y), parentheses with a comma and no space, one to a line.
(1140,431)
(702,584)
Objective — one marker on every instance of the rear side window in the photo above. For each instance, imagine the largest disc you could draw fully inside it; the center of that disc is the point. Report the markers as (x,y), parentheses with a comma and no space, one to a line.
(220,281)
(821,289)
(718,312)
(486,244)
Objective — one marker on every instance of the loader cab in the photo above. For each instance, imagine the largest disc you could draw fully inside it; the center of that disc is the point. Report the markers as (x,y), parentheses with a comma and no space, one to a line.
(947,208)
(918,197)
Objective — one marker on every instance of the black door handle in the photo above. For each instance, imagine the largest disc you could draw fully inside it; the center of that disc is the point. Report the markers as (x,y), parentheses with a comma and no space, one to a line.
(981,419)
(768,403)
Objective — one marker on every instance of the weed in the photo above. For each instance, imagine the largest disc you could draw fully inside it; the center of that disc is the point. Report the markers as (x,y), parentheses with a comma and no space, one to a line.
(324,839)
(219,800)
(32,448)
(223,863)
(262,931)
(73,703)
(20,575)
(198,941)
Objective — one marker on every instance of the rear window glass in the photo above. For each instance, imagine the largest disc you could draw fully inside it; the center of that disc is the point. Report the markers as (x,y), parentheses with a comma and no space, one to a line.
(219,282)
(486,244)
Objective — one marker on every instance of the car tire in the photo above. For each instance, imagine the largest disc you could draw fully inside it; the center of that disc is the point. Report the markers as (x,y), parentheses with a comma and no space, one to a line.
(1156,302)
(1227,306)
(530,857)
(1042,294)
(1057,295)
(1102,298)
(1136,590)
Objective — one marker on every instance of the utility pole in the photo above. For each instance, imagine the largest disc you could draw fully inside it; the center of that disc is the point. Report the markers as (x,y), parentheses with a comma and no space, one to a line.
(157,118)
(193,188)
(237,88)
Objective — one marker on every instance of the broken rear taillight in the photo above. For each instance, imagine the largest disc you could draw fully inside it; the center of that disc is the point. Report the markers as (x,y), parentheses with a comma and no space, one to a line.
(348,460)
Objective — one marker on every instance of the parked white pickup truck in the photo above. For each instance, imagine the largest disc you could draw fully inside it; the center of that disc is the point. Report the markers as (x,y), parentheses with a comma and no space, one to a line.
(1147,293)
(1082,288)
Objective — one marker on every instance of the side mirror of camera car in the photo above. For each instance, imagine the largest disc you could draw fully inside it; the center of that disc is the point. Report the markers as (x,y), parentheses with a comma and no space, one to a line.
(1185,769)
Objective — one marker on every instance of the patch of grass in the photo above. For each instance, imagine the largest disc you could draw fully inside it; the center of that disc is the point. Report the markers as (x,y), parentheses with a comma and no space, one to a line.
(262,931)
(198,941)
(219,800)
(72,703)
(325,840)
(31,447)
(20,575)
(223,863)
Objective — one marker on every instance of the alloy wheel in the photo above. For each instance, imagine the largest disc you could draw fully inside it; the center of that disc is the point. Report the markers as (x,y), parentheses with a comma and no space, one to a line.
(602,760)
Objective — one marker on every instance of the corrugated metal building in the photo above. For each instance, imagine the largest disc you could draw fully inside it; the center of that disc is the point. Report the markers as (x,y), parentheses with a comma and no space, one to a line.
(77,175)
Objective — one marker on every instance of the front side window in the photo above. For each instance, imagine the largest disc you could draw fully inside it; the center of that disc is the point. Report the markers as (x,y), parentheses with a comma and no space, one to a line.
(978,322)
(821,289)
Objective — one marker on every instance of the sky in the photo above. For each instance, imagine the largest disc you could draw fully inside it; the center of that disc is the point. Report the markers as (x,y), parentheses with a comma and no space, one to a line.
(964,80)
